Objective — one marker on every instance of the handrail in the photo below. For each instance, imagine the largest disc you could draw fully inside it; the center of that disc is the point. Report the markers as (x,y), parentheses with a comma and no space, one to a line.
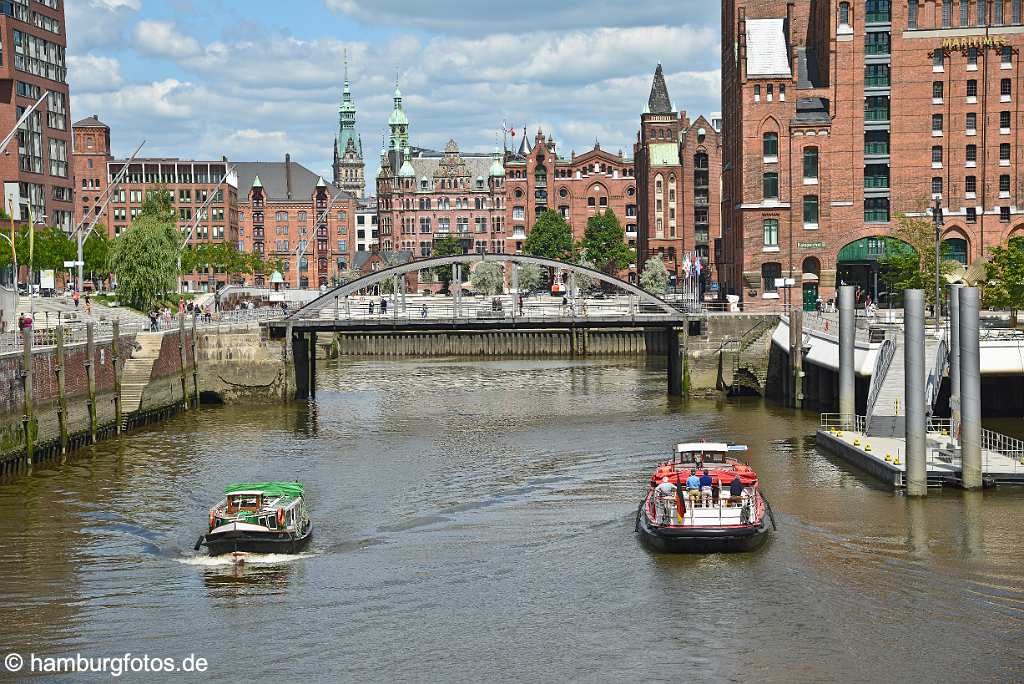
(886,353)
(935,377)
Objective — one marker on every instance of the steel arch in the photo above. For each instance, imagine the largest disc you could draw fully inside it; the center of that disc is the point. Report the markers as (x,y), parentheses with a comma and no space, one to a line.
(376,277)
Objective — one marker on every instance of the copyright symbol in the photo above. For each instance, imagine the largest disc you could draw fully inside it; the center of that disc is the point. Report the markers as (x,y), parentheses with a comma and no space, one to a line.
(13,662)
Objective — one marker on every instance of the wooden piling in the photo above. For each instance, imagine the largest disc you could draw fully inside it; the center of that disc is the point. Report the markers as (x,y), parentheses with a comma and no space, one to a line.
(90,372)
(62,403)
(195,367)
(182,360)
(27,420)
(115,358)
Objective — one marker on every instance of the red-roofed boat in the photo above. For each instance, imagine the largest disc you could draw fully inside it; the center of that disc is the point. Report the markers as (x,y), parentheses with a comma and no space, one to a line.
(711,522)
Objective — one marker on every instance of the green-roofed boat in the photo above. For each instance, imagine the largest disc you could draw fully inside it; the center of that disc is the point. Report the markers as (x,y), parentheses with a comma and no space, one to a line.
(263,517)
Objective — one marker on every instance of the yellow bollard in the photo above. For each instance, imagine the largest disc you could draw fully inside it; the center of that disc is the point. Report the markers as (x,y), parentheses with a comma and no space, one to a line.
(896,461)
(945,432)
(856,442)
(867,447)
(888,458)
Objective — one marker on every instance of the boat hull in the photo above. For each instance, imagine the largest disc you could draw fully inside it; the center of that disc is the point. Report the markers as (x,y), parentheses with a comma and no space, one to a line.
(701,539)
(256,542)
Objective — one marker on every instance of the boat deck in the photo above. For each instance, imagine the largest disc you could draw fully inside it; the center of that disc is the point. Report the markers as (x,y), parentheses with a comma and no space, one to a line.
(716,515)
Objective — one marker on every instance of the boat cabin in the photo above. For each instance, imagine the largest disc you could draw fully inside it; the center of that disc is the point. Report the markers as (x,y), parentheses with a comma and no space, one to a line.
(239,502)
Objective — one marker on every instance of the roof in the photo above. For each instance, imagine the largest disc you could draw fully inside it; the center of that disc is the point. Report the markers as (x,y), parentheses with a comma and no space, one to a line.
(812,110)
(273,177)
(701,447)
(664,154)
(429,166)
(767,50)
(403,256)
(659,102)
(90,122)
(268,488)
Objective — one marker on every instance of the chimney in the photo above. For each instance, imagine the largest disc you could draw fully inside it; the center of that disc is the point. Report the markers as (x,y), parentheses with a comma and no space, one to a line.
(288,175)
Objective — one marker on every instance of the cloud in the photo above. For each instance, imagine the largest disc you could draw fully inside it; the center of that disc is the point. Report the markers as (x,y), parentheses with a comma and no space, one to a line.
(161,39)
(168,98)
(494,16)
(97,23)
(92,73)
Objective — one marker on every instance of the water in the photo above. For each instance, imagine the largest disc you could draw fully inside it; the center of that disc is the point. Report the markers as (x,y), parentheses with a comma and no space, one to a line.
(474,521)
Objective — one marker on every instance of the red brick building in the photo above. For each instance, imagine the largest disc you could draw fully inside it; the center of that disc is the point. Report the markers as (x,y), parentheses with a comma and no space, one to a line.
(840,115)
(289,214)
(678,167)
(36,170)
(191,184)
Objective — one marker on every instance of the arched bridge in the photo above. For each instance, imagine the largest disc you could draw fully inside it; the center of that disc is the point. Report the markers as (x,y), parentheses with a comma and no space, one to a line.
(357,306)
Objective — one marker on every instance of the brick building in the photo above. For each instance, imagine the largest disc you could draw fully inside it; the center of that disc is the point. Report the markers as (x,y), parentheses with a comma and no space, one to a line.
(823,150)
(678,167)
(289,214)
(37,167)
(366,225)
(191,184)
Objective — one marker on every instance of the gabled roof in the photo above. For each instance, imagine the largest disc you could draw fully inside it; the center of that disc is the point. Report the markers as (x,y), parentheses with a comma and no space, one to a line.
(659,102)
(273,177)
(90,122)
(767,49)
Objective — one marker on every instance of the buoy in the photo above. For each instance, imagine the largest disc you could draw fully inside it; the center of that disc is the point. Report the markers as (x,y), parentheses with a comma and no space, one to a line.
(888,458)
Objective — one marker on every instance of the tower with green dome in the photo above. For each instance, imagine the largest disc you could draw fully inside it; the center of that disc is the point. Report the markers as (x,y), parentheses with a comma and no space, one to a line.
(349,169)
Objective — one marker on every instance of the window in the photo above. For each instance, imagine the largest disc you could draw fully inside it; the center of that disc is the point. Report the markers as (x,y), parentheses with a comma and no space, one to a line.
(1004,184)
(424,225)
(971,155)
(770,185)
(972,89)
(1015,10)
(938,60)
(936,124)
(876,210)
(936,185)
(58,158)
(56,111)
(972,215)
(965,13)
(912,14)
(810,210)
(30,142)
(876,43)
(770,145)
(302,217)
(769,92)
(518,213)
(281,216)
(876,75)
(937,91)
(757,93)
(947,13)
(876,176)
(972,123)
(877,10)
(972,59)
(1004,214)
(771,232)
(1005,89)
(936,156)
(1004,122)
(782,98)
(1006,57)
(1004,154)
(39,57)
(876,142)
(770,271)
(844,14)
(810,163)
(971,186)
(876,108)
(997,14)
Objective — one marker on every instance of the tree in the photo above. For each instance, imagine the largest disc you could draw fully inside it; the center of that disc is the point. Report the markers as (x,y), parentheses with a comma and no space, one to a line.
(604,243)
(449,245)
(145,258)
(530,277)
(1005,288)
(654,277)
(488,278)
(584,282)
(550,237)
(349,274)
(912,269)
(95,252)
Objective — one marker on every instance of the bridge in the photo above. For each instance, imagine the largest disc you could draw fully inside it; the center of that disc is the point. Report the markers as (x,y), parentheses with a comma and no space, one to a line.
(348,308)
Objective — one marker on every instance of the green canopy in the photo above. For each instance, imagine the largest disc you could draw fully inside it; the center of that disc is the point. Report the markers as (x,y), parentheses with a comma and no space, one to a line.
(268,488)
(873,248)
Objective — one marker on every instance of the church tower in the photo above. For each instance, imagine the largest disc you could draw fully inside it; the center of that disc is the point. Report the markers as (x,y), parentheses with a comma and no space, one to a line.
(349,169)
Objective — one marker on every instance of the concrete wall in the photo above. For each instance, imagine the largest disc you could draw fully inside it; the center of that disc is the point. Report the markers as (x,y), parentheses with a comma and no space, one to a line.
(239,365)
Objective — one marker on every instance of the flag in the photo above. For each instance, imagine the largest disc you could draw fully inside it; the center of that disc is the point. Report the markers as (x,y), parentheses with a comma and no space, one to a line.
(31,235)
(680,503)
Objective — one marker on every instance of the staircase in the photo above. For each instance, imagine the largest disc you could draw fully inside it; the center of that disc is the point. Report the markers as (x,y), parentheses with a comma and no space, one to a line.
(748,357)
(137,372)
(887,412)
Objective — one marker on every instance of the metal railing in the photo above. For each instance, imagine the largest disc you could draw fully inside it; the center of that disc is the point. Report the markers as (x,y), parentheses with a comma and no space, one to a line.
(938,372)
(843,421)
(882,362)
(1011,447)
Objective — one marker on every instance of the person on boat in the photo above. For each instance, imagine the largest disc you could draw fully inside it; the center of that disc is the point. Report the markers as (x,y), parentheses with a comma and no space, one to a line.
(736,491)
(705,489)
(693,488)
(666,497)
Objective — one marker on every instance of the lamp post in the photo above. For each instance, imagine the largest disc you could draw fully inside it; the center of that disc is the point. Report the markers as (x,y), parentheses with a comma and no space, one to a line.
(938,220)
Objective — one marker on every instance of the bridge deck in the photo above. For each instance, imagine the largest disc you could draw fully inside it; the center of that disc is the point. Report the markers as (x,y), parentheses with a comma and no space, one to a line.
(407,323)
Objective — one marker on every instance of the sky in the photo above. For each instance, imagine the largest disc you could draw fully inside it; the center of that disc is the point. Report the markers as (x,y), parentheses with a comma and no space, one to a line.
(255,79)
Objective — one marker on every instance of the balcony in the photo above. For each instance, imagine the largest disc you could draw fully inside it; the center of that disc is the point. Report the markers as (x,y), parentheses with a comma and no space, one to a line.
(876,115)
(876,148)
(878,16)
(877,82)
(876,182)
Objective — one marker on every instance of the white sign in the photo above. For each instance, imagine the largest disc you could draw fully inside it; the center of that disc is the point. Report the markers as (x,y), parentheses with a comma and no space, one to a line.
(785,282)
(72,264)
(46,280)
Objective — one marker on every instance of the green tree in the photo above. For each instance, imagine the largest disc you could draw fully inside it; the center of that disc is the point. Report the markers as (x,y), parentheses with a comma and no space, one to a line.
(584,282)
(95,253)
(530,277)
(604,243)
(449,245)
(488,278)
(159,203)
(654,277)
(1005,288)
(903,269)
(550,237)
(145,257)
(349,274)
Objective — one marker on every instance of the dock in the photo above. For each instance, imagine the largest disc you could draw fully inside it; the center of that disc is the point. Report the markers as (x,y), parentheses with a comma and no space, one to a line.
(885,457)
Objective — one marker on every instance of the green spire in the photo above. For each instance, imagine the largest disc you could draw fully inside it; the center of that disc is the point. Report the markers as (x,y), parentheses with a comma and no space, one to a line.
(257,183)
(347,118)
(398,123)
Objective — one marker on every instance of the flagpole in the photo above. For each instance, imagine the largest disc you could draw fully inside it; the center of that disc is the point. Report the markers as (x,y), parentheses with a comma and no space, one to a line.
(31,260)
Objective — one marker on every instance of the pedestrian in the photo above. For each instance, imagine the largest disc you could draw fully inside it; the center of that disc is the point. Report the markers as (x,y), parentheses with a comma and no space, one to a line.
(188,308)
(21,322)
(519,301)
(423,311)
(88,307)
(74,297)
(152,320)
(369,306)
(383,306)
(28,322)
(181,306)
(818,305)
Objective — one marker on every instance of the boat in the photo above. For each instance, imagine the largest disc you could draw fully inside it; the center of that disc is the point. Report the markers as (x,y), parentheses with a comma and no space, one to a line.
(725,524)
(266,517)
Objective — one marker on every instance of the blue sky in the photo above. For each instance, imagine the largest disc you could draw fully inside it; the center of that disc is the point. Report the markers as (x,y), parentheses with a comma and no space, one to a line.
(254,80)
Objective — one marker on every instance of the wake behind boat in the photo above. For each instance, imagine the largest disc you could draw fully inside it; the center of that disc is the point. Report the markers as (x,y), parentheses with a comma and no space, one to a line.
(268,517)
(704,501)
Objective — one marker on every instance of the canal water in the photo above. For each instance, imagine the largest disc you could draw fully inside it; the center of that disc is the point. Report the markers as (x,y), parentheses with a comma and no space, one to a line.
(474,522)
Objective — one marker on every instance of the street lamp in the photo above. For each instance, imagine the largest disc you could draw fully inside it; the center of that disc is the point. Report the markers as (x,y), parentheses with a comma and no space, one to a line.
(937,218)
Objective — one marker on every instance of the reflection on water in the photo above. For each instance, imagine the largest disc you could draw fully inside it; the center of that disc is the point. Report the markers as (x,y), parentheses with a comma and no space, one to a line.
(475,521)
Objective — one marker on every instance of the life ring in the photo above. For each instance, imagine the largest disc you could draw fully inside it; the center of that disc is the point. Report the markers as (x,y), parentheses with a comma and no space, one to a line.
(280,517)
(213,520)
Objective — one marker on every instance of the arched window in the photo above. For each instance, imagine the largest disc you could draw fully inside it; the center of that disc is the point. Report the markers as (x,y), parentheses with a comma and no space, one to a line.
(658,185)
(955,249)
(844,14)
(812,266)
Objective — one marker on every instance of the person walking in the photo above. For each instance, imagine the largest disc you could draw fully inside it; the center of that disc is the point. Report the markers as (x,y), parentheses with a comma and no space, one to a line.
(369,306)
(75,297)
(383,306)
(423,311)
(88,307)
(152,320)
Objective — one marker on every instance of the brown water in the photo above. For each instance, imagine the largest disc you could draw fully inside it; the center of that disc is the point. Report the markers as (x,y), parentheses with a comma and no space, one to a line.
(474,522)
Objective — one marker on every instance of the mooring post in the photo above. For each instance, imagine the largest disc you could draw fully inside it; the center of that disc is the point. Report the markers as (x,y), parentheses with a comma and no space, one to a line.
(90,372)
(970,388)
(915,426)
(457,295)
(195,366)
(300,354)
(796,326)
(675,371)
(336,298)
(62,403)
(27,420)
(182,360)
(312,362)
(115,359)
(847,347)
(954,361)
